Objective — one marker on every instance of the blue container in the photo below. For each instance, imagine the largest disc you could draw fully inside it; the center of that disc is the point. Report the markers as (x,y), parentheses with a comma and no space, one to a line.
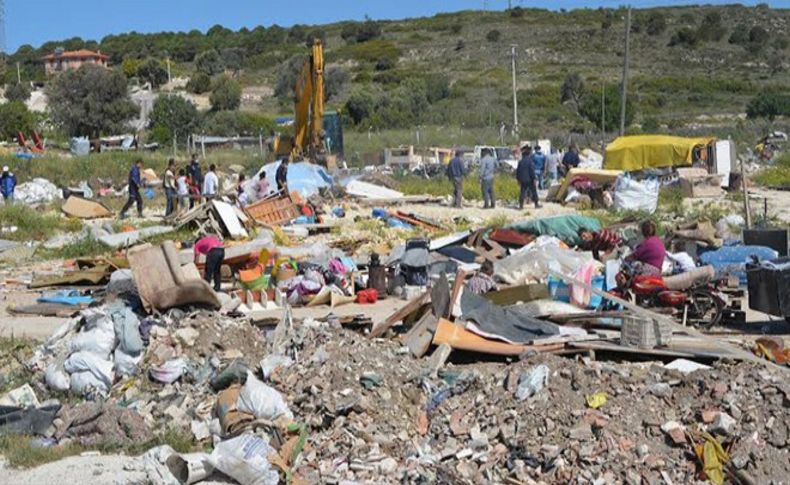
(560,291)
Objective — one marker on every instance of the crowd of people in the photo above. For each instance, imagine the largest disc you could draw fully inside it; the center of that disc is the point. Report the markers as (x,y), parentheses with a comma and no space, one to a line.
(185,187)
(535,171)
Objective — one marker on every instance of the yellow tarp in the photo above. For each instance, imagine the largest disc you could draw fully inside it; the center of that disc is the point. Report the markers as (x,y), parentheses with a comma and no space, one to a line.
(631,153)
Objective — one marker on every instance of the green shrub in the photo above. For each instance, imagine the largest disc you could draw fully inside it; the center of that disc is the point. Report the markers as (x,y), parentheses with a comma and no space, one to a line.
(225,94)
(371,51)
(199,83)
(18,92)
(493,35)
(768,105)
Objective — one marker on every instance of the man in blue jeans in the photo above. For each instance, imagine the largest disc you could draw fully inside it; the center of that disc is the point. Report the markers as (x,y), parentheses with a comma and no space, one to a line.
(135,182)
(539,160)
(169,183)
(455,172)
(487,169)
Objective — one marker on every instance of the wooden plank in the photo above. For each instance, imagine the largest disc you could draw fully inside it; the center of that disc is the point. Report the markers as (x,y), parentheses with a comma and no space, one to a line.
(563,339)
(671,351)
(461,339)
(399,315)
(515,294)
(418,338)
(460,277)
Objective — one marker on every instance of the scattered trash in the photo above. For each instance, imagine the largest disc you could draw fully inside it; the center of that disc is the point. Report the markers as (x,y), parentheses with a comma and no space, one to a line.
(597,399)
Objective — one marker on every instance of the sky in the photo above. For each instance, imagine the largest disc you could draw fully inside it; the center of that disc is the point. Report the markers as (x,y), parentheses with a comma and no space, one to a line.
(37,21)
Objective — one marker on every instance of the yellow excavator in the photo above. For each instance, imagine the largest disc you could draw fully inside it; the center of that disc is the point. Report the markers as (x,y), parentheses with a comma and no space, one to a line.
(307,140)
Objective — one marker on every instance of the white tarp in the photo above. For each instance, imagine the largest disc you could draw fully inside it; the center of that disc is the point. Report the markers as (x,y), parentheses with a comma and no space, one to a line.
(631,194)
(365,190)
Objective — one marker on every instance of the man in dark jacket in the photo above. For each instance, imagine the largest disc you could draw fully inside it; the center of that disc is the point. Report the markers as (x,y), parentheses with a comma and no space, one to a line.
(135,182)
(570,159)
(281,177)
(525,174)
(196,177)
(455,172)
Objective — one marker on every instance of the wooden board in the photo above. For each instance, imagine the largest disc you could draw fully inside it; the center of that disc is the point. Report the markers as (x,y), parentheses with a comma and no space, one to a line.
(516,294)
(273,211)
(418,338)
(399,315)
(459,338)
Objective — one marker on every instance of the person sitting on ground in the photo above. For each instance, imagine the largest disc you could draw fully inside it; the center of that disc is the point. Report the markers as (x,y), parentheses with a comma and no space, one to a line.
(211,246)
(598,242)
(648,257)
(483,281)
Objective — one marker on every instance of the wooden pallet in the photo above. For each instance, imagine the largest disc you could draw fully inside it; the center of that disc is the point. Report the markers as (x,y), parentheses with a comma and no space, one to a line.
(273,211)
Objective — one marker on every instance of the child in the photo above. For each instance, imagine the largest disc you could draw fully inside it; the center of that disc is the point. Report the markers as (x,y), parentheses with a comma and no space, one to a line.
(182,190)
(483,281)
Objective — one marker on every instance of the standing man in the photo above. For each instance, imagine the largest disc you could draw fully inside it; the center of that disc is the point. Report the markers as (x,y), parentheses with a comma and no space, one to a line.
(488,166)
(539,160)
(170,187)
(281,177)
(210,183)
(525,175)
(455,172)
(7,185)
(212,248)
(135,183)
(195,176)
(571,159)
(182,186)
(552,164)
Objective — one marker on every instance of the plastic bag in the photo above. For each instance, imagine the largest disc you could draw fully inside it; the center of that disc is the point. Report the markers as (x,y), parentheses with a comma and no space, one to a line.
(532,382)
(56,378)
(245,459)
(84,383)
(127,329)
(630,194)
(262,401)
(534,264)
(100,368)
(126,364)
(271,363)
(169,372)
(98,341)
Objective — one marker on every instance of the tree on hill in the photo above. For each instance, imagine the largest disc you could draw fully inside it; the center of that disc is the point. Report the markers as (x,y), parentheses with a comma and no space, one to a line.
(199,83)
(686,37)
(91,101)
(591,108)
(656,23)
(493,35)
(572,89)
(15,117)
(173,116)
(361,31)
(226,94)
(152,71)
(18,92)
(768,105)
(287,74)
(711,28)
(209,62)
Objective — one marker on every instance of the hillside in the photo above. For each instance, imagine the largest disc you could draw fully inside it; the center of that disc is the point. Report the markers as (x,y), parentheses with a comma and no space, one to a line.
(691,68)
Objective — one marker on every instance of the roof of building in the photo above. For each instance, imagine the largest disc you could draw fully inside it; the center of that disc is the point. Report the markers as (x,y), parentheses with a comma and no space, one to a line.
(82,53)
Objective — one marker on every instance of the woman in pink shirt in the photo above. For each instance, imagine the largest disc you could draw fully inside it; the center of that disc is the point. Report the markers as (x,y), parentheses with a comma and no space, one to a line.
(648,257)
(211,246)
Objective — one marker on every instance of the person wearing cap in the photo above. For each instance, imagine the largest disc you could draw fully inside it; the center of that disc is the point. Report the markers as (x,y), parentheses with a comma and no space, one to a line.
(7,185)
(525,175)
(455,172)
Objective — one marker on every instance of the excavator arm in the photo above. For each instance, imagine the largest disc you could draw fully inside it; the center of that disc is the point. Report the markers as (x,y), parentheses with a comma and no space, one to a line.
(309,105)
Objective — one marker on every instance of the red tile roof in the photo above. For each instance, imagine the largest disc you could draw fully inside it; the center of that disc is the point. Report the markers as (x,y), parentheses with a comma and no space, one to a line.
(82,53)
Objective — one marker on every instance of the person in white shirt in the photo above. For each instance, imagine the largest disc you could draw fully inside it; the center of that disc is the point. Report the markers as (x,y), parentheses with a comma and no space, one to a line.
(182,188)
(210,183)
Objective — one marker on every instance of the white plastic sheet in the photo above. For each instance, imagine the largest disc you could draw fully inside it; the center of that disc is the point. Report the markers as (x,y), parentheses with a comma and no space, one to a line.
(100,370)
(534,263)
(630,194)
(245,459)
(37,191)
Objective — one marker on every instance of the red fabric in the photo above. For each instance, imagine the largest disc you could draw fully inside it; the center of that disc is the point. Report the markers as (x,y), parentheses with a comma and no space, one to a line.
(206,244)
(368,296)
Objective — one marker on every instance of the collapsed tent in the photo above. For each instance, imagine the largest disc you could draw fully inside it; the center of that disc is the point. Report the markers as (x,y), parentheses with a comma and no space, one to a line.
(640,152)
(303,177)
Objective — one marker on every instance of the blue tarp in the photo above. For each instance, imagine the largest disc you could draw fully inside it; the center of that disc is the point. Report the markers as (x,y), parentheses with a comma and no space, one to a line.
(303,177)
(66,297)
(731,260)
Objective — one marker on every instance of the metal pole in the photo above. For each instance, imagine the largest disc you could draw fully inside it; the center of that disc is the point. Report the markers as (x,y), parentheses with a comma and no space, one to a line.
(260,142)
(168,73)
(175,144)
(18,74)
(745,189)
(603,112)
(624,87)
(515,97)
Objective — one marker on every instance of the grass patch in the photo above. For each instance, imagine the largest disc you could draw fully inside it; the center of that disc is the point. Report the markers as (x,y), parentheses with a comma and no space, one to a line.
(20,452)
(33,225)
(777,175)
(505,187)
(84,247)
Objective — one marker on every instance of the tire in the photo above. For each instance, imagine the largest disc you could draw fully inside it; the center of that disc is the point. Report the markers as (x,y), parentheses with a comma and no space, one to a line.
(708,310)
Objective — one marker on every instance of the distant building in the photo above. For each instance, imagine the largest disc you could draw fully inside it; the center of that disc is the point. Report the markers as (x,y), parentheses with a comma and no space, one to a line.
(62,60)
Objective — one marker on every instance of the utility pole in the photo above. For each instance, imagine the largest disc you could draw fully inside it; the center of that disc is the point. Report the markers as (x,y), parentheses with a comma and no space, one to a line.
(168,72)
(603,114)
(18,74)
(515,97)
(624,87)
